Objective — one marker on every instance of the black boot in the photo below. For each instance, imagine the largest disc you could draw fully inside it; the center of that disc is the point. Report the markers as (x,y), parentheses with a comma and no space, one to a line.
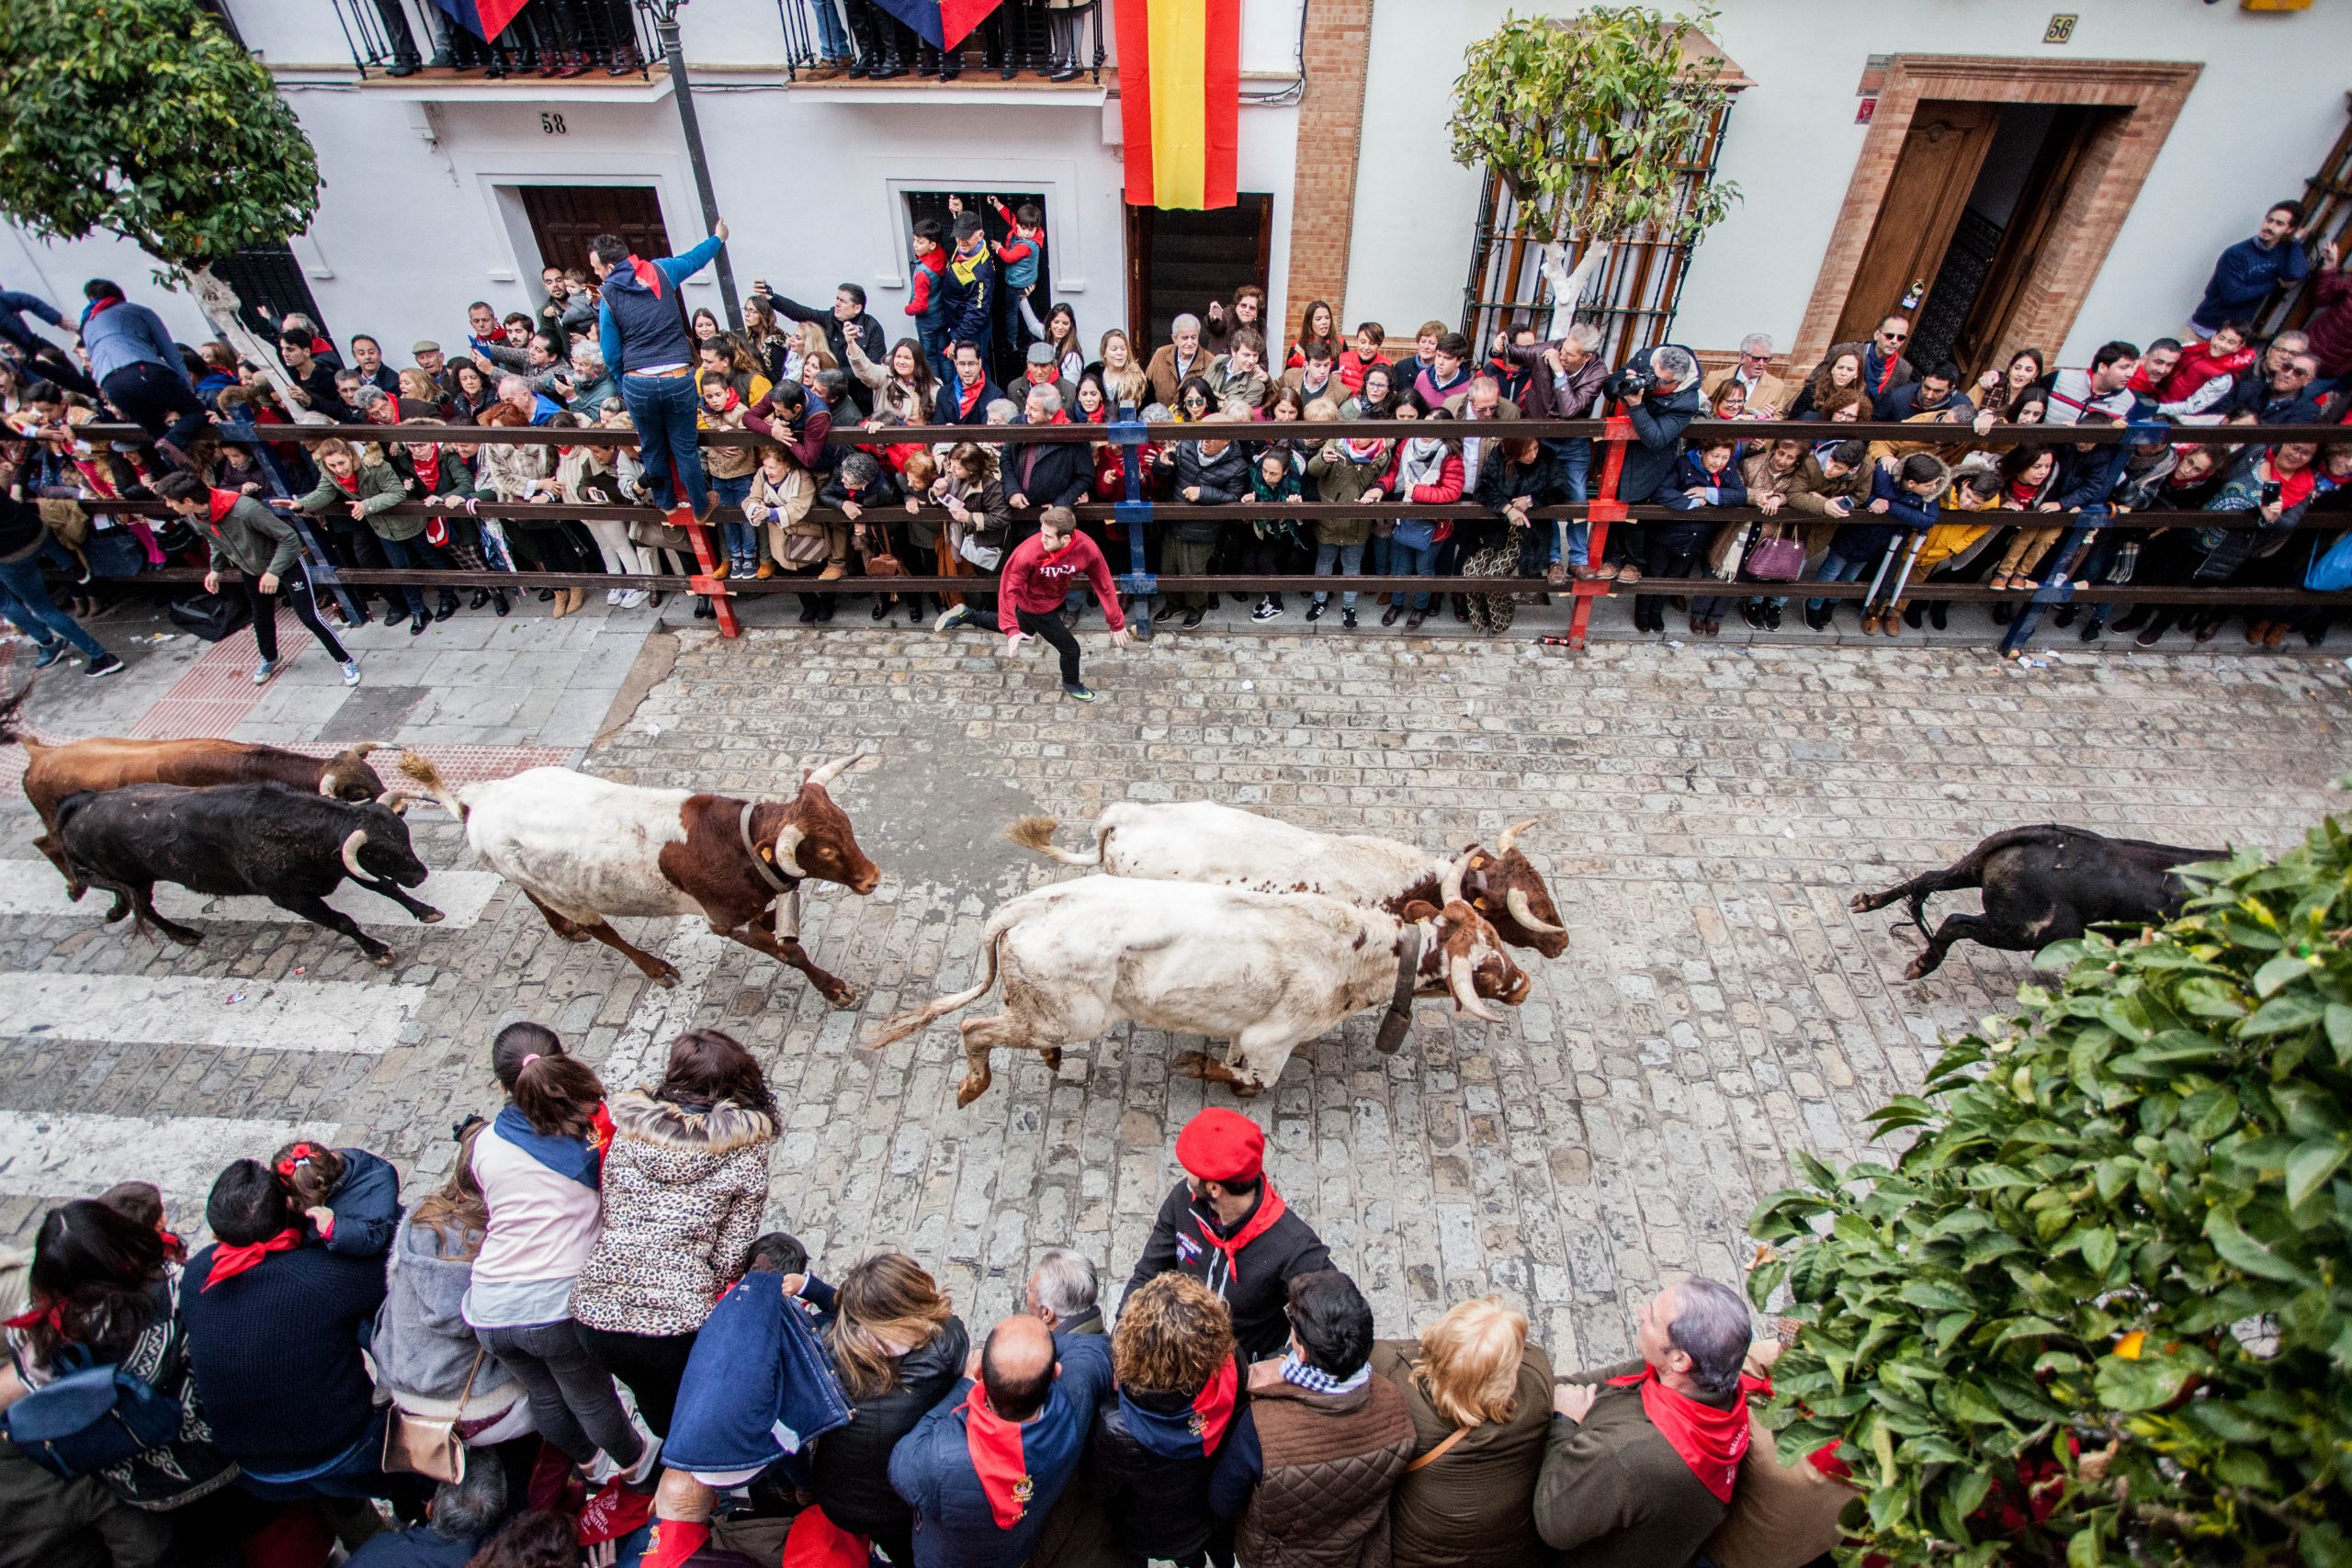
(863,51)
(497,597)
(481,597)
(448,606)
(893,63)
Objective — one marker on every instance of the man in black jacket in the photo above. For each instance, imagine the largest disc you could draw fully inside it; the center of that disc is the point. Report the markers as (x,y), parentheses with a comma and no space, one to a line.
(1045,473)
(1660,389)
(1227,1227)
(847,315)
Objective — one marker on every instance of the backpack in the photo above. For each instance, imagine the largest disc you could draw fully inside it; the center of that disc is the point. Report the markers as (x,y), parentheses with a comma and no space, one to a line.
(89,1418)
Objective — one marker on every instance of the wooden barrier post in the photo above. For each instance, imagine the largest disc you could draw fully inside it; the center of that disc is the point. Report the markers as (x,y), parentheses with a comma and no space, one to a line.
(1601,511)
(722,601)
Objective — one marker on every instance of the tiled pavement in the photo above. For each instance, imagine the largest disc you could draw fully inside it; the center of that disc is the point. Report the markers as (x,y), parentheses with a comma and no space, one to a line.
(1706,812)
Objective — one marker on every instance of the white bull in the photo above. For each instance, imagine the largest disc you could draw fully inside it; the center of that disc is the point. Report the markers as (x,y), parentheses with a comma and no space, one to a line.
(1199,842)
(1265,971)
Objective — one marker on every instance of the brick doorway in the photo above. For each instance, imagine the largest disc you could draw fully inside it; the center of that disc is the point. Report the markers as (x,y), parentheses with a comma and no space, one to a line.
(2112,117)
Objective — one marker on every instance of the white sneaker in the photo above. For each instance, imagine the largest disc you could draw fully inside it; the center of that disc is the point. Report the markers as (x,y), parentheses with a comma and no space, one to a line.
(612,596)
(350,671)
(633,597)
(637,1473)
(264,670)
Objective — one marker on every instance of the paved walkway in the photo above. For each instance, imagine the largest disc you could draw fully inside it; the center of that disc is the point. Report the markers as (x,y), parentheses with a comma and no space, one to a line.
(1706,813)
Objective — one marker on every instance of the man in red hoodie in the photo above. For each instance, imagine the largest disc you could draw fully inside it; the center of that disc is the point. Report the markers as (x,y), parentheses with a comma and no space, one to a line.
(1038,575)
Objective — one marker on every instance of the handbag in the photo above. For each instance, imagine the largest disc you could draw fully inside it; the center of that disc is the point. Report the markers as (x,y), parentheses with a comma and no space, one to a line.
(89,1417)
(429,1446)
(2331,571)
(986,557)
(654,536)
(804,549)
(1776,561)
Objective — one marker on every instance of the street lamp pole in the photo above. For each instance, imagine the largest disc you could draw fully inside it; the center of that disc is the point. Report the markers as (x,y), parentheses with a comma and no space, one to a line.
(665,27)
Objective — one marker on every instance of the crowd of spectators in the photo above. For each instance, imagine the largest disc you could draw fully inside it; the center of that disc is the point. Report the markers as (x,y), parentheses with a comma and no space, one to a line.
(583,1339)
(1953,505)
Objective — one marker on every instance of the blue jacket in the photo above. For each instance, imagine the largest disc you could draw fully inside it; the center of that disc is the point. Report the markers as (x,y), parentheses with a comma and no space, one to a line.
(124,335)
(14,308)
(931,1467)
(2243,278)
(366,1205)
(968,289)
(757,1386)
(643,322)
(1869,534)
(2088,479)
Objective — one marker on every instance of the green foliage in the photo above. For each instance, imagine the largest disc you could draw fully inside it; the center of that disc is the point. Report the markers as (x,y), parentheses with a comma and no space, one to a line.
(143,118)
(1595,123)
(2107,1282)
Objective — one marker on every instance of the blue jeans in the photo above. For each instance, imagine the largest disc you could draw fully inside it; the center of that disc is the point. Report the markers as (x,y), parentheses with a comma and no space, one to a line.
(1836,568)
(743,538)
(354,1472)
(412,555)
(664,410)
(1576,470)
(832,39)
(1383,548)
(25,599)
(1349,558)
(1415,560)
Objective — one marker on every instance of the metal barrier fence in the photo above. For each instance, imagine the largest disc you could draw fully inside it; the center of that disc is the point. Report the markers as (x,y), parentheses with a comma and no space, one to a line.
(1136,514)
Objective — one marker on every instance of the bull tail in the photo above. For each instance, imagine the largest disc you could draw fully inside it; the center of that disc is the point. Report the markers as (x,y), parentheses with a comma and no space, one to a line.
(419,769)
(11,726)
(915,1022)
(1037,833)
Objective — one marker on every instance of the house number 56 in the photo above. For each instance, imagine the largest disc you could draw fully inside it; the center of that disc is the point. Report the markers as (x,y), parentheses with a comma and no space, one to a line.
(552,125)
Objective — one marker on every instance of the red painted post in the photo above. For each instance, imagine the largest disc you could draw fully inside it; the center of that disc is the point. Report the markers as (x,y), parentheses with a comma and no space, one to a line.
(721,602)
(1601,511)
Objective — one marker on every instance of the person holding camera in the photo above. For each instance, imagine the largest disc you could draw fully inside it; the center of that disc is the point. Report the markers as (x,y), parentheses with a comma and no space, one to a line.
(1659,388)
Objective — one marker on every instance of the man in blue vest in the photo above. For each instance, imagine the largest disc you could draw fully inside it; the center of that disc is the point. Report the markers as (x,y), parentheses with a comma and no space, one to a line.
(648,344)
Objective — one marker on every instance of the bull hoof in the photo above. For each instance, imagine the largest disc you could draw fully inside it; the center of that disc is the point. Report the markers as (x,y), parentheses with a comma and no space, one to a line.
(666,977)
(185,939)
(971,1089)
(1860,904)
(1920,968)
(73,890)
(1247,1089)
(844,998)
(1052,1058)
(432,917)
(381,959)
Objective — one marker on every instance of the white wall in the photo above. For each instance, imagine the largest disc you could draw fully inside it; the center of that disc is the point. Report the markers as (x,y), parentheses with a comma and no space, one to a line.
(2261,118)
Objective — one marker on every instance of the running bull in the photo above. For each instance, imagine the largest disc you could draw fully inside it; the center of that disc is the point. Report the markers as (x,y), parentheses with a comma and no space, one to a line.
(1199,842)
(584,850)
(2043,884)
(292,847)
(1266,970)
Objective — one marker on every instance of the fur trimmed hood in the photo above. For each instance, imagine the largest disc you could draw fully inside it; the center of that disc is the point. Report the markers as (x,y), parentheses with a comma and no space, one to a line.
(720,1130)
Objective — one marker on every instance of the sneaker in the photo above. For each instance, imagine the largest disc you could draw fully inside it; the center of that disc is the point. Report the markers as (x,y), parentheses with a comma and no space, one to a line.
(612,597)
(631,598)
(350,667)
(953,616)
(1192,619)
(1315,612)
(1079,693)
(1347,619)
(104,664)
(264,670)
(1267,610)
(48,653)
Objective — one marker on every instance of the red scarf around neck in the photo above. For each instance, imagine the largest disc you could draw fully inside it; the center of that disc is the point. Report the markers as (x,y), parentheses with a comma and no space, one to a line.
(1212,1406)
(228,1262)
(428,470)
(994,1445)
(348,483)
(1710,1440)
(1271,1208)
(967,396)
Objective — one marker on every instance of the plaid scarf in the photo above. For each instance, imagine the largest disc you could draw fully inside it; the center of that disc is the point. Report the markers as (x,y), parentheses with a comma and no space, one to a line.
(1315,1380)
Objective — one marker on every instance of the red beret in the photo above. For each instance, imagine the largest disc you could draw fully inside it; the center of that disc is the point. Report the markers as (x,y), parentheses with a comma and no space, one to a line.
(1222,1146)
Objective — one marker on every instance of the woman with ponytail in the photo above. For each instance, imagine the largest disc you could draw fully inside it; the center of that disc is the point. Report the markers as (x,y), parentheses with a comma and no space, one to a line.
(540,1167)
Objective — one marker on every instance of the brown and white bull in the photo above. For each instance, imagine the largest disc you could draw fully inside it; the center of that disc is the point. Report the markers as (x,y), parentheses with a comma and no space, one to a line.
(1265,971)
(1198,841)
(584,849)
(53,771)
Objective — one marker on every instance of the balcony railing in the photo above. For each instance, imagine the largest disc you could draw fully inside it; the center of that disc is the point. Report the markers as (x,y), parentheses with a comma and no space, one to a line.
(1047,40)
(551,39)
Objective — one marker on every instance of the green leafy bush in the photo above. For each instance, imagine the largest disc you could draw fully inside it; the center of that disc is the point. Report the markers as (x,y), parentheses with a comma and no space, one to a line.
(2100,1309)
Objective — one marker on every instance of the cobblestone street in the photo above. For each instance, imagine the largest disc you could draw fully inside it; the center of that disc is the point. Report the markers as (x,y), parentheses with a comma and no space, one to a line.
(1705,813)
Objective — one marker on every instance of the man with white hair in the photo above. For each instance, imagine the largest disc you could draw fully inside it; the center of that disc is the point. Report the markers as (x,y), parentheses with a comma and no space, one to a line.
(1768,395)
(1642,1457)
(1061,1292)
(1175,360)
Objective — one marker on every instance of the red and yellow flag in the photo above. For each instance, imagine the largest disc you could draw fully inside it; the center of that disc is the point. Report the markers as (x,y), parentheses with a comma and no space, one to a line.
(1179,100)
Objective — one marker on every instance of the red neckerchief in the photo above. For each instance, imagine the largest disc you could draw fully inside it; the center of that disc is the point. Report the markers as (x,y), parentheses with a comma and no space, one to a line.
(2296,487)
(600,1129)
(1271,1208)
(647,273)
(1212,1406)
(1887,370)
(2023,491)
(965,397)
(216,504)
(733,399)
(230,1261)
(347,483)
(97,305)
(994,1445)
(1710,1440)
(52,1314)
(428,470)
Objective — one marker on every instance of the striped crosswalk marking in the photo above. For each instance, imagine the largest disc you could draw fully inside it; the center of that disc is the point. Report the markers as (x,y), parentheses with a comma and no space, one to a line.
(34,887)
(283,1015)
(69,1155)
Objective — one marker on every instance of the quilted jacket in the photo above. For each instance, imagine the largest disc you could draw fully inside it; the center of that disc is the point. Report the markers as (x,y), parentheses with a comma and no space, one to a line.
(684,1188)
(1329,1461)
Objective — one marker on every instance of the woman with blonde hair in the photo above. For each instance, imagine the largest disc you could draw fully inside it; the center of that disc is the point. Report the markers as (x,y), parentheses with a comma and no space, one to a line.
(1480,1397)
(1121,374)
(897,1347)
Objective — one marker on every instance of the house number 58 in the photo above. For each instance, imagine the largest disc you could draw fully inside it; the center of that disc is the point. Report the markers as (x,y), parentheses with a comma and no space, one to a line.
(552,125)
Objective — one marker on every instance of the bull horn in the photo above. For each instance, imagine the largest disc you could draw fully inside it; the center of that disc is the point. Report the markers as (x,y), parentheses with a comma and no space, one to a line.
(1458,980)
(1516,902)
(1510,835)
(351,853)
(398,802)
(788,848)
(1450,882)
(826,772)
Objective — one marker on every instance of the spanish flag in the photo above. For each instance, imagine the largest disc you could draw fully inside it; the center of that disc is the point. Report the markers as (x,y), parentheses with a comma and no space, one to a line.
(1179,100)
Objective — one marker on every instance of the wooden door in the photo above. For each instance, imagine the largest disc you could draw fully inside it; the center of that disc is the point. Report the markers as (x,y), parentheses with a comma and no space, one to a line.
(564,218)
(1179,261)
(2056,167)
(1941,155)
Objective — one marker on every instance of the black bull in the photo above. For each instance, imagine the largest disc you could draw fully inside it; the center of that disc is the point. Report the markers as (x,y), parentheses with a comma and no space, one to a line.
(266,841)
(2045,885)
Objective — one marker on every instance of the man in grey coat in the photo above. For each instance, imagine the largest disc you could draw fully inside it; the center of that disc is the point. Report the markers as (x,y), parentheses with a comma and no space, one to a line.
(263,547)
